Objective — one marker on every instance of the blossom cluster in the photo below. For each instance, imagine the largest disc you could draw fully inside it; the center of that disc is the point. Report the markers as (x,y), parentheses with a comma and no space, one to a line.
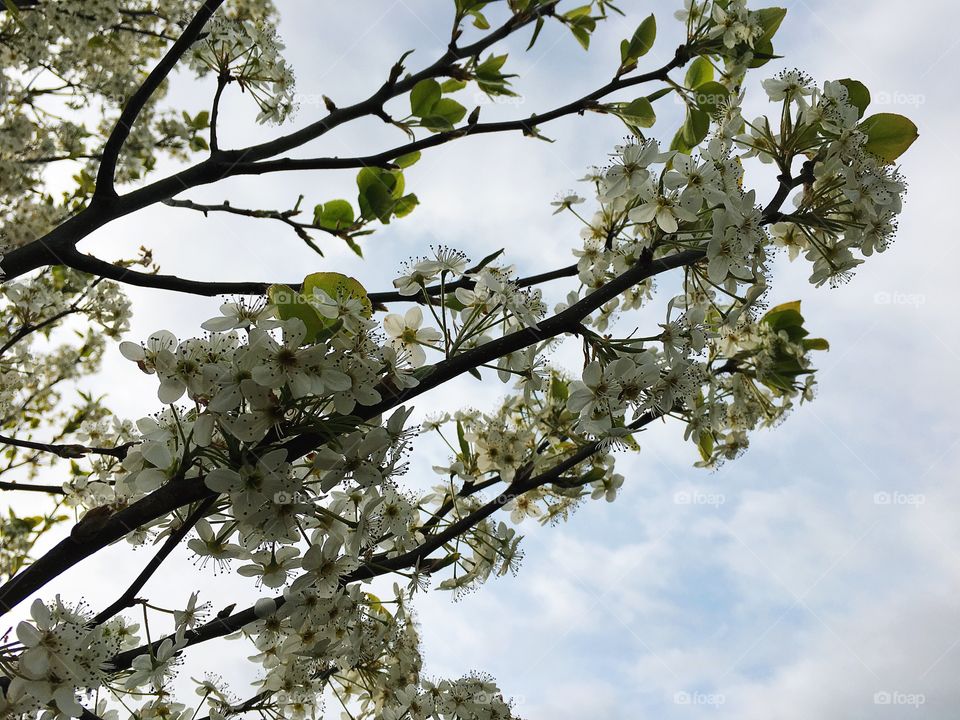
(248,53)
(290,417)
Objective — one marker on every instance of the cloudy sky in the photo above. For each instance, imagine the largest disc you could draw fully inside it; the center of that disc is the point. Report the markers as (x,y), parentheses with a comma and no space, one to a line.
(814,577)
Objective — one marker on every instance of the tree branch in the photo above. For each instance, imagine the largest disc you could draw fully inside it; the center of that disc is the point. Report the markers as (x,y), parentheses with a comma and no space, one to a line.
(87,538)
(49,489)
(95,266)
(527,126)
(128,598)
(136,103)
(286,217)
(68,451)
(58,243)
(393,87)
(179,491)
(381,565)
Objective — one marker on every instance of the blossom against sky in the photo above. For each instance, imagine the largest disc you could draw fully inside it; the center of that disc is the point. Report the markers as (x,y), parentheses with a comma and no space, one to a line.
(815,575)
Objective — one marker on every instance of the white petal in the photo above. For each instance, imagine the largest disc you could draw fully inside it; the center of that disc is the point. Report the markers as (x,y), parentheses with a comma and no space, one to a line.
(414,317)
(393,324)
(132,351)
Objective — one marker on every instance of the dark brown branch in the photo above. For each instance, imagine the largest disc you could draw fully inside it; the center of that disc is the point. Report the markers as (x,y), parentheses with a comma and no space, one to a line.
(102,268)
(564,322)
(179,492)
(68,451)
(49,489)
(300,228)
(136,103)
(252,703)
(393,87)
(381,565)
(129,597)
(87,538)
(87,263)
(27,329)
(222,80)
(527,126)
(437,290)
(57,243)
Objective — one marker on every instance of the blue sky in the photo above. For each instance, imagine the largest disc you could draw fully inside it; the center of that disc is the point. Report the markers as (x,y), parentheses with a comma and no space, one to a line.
(814,577)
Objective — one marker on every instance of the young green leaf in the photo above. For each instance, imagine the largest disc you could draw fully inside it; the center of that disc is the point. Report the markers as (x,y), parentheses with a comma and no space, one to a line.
(858,94)
(639,112)
(424,96)
(699,72)
(888,135)
(334,215)
(290,304)
(642,39)
(337,285)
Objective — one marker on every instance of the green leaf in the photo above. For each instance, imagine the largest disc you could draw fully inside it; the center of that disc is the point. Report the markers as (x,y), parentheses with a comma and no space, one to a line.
(334,215)
(424,96)
(710,96)
(770,20)
(888,136)
(352,244)
(290,304)
(793,305)
(784,316)
(444,114)
(642,39)
(815,344)
(787,318)
(536,32)
(337,285)
(639,112)
(405,161)
(696,127)
(490,68)
(583,37)
(657,94)
(462,440)
(705,445)
(679,142)
(699,72)
(405,205)
(858,93)
(479,21)
(559,389)
(489,77)
(487,260)
(379,190)
(581,24)
(13,10)
(762,53)
(452,85)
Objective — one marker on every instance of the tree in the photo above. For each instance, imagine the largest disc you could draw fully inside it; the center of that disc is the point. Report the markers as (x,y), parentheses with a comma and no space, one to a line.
(280,444)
